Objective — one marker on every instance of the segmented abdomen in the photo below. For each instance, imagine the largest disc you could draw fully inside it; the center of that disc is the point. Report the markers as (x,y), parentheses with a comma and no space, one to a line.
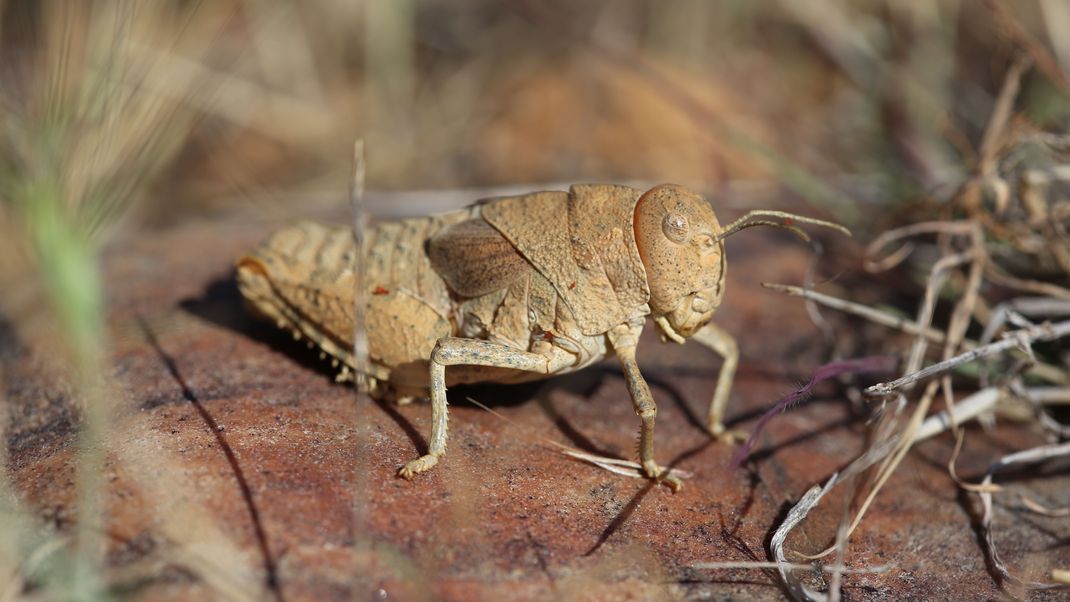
(397,261)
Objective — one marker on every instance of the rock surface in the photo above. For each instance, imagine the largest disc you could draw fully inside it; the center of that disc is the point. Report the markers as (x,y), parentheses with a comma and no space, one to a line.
(241,469)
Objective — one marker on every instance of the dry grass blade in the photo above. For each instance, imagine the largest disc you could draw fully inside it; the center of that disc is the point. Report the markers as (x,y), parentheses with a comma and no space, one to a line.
(927,307)
(885,444)
(955,334)
(627,468)
(998,276)
(360,228)
(876,570)
(1048,395)
(1039,508)
(1030,456)
(960,228)
(1016,32)
(977,260)
(1015,309)
(965,410)
(1019,339)
(900,447)
(1047,372)
(1001,114)
(864,311)
(796,515)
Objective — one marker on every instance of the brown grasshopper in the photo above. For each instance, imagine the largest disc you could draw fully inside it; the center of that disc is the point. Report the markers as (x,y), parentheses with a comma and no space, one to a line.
(510,290)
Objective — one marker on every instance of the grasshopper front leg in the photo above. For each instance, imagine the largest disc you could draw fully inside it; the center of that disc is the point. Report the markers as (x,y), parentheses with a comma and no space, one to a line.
(453,351)
(720,342)
(624,340)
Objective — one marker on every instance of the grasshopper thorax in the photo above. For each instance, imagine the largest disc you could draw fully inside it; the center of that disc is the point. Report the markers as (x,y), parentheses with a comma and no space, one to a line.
(676,233)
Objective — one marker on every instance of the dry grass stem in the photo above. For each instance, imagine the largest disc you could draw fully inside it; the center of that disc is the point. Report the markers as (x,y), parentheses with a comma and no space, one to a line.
(965,410)
(719,566)
(875,263)
(894,446)
(1029,456)
(1000,116)
(1046,371)
(795,516)
(627,468)
(1018,339)
(1014,30)
(359,215)
(1038,508)
(864,311)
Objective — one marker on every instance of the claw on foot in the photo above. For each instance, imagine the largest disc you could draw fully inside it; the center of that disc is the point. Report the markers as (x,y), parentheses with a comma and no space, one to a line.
(673,483)
(731,437)
(414,467)
(662,476)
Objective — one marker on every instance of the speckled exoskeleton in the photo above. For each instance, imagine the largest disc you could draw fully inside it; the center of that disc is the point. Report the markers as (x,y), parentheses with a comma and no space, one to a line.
(509,290)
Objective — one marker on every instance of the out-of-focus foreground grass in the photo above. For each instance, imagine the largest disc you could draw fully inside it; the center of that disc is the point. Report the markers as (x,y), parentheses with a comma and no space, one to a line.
(140,114)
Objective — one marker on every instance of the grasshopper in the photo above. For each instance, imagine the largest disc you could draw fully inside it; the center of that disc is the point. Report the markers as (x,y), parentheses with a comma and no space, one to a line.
(510,290)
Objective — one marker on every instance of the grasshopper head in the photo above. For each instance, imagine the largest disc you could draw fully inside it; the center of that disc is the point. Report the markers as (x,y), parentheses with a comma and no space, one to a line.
(677,236)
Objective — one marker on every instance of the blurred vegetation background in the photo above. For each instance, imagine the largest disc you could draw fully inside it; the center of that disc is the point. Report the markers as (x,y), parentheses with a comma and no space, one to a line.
(143,114)
(269,96)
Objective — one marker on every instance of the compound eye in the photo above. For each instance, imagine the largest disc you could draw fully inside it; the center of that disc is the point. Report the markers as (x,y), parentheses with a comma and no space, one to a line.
(675,227)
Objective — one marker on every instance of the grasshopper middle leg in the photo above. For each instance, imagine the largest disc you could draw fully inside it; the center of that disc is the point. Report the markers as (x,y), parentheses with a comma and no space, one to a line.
(453,351)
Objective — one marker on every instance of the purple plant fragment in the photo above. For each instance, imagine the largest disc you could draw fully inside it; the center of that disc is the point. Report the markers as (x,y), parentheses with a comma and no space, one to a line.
(862,365)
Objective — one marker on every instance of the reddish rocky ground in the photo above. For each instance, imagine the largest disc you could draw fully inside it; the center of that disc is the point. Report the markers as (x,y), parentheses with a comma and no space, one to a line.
(243,468)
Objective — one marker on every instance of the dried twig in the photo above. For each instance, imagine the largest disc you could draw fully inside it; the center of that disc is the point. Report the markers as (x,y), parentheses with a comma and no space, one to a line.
(965,410)
(1046,63)
(1029,456)
(1039,508)
(795,516)
(884,568)
(1040,235)
(360,227)
(1019,339)
(961,228)
(1001,113)
(627,468)
(1047,372)
(864,311)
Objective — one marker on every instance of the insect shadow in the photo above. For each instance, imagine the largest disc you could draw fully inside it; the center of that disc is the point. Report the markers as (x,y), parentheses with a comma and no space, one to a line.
(222,304)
